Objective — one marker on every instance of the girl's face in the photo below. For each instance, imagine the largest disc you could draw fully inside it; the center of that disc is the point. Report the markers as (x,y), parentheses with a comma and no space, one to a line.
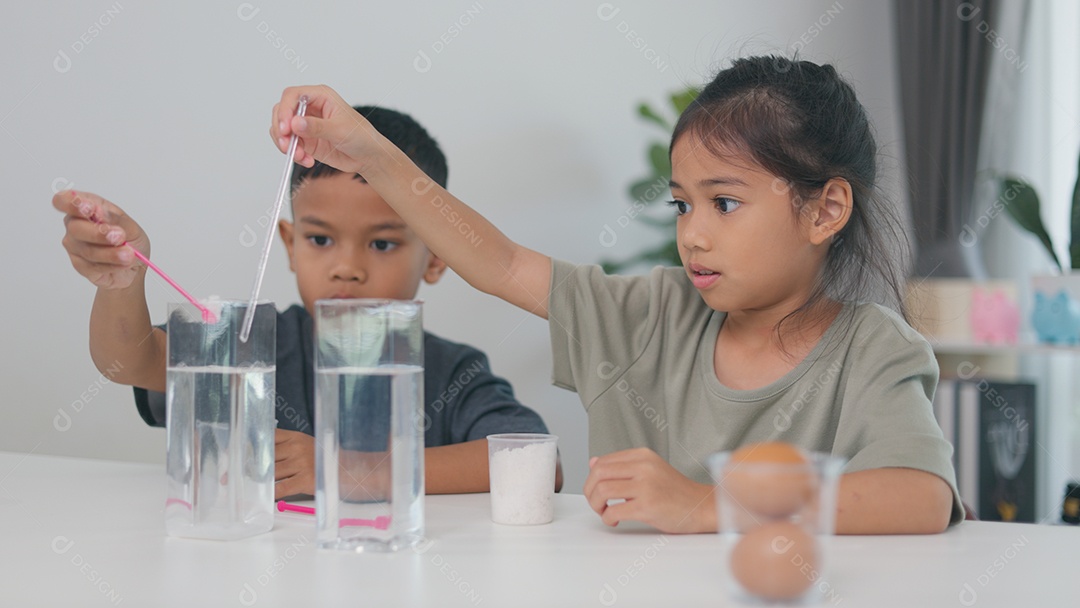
(742,244)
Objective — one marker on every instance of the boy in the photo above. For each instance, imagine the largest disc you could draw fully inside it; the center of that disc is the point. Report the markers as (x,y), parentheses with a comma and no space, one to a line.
(346,242)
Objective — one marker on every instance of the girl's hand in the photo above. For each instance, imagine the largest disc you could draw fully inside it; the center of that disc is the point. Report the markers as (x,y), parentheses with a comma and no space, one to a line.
(330,130)
(94,236)
(294,463)
(653,491)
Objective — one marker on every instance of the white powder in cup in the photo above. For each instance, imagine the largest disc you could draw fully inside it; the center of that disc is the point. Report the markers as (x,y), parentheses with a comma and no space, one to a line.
(523,484)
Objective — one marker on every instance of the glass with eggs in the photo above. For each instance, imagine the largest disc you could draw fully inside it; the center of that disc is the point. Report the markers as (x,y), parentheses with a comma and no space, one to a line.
(776,506)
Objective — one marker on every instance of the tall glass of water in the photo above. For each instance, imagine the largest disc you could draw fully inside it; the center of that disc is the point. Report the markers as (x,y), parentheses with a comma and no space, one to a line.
(369,426)
(219,412)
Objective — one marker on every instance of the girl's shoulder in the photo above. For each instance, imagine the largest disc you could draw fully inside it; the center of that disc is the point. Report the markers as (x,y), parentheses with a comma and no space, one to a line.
(872,324)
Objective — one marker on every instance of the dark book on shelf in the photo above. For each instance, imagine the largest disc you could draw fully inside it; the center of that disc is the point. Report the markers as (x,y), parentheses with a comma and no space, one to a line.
(991,425)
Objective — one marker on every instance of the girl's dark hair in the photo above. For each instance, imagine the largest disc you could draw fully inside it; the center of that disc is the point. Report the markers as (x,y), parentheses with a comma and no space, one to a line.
(802,123)
(404,132)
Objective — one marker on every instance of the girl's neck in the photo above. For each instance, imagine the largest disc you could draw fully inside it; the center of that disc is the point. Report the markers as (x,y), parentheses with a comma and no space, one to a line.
(750,354)
(756,330)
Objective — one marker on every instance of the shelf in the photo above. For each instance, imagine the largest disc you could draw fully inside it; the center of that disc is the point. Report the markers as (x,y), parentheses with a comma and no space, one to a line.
(1022,348)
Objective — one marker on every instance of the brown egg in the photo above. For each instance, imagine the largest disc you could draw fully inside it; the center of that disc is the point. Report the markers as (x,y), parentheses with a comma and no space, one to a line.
(768,480)
(776,561)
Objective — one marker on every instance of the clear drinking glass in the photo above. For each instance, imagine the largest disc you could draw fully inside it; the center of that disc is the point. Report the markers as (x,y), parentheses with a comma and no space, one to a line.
(776,521)
(219,414)
(369,424)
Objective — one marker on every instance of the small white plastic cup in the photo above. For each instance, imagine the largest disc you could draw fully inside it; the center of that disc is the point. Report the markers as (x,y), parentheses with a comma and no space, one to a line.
(522,469)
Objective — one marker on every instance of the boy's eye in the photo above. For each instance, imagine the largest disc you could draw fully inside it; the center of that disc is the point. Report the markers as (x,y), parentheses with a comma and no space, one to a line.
(726,205)
(319,240)
(380,245)
(681,207)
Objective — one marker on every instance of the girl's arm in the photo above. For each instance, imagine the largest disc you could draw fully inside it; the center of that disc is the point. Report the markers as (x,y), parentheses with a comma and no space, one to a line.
(893,501)
(875,501)
(335,134)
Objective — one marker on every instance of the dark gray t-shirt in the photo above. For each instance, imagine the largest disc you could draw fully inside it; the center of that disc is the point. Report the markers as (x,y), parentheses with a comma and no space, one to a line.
(462,398)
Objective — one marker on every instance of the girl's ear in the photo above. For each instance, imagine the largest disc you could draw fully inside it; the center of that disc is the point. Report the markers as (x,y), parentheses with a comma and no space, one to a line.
(285,229)
(831,212)
(434,269)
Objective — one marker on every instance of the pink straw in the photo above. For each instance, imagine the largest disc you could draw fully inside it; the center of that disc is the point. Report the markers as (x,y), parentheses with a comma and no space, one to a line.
(381,522)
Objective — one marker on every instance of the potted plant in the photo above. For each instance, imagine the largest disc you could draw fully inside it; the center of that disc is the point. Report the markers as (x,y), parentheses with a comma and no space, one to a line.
(649,189)
(1056,311)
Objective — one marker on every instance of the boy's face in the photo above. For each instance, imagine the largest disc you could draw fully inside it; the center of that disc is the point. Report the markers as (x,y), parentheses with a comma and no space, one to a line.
(346,242)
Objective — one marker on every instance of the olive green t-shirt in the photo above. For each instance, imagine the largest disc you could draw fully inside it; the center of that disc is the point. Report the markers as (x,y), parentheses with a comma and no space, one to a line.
(639,352)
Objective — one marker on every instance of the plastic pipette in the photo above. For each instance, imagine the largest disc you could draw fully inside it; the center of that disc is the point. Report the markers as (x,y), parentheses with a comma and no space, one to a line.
(283,189)
(381,522)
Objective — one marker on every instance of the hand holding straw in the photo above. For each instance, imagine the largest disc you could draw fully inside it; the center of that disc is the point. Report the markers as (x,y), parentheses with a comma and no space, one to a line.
(283,189)
(207,315)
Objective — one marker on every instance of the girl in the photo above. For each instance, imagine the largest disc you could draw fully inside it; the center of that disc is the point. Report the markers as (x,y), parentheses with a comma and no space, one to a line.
(766,333)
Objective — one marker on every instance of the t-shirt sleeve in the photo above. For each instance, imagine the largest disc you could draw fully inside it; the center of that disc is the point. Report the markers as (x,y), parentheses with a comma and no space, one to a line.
(475,403)
(599,325)
(151,406)
(888,416)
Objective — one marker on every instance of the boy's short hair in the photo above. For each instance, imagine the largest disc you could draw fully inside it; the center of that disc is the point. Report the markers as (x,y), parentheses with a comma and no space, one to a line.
(404,132)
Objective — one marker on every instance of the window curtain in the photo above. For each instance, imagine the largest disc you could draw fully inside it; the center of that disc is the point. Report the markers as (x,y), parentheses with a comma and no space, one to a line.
(944,61)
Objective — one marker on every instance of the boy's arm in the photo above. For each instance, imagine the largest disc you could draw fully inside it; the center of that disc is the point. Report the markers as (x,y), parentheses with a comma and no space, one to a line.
(123,344)
(462,468)
(335,134)
(122,339)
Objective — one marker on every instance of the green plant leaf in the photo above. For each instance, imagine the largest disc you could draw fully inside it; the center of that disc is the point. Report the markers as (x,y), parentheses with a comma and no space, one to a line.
(646,112)
(1022,203)
(647,190)
(660,161)
(1074,234)
(667,223)
(681,100)
(666,254)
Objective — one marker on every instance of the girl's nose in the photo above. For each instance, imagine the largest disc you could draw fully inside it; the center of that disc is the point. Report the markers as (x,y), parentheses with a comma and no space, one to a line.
(693,234)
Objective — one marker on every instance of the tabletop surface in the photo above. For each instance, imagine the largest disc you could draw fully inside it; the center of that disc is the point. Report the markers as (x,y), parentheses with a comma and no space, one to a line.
(83,532)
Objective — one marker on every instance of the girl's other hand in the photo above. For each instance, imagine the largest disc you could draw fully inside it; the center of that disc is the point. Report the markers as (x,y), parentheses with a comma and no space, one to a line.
(95,231)
(330,130)
(652,491)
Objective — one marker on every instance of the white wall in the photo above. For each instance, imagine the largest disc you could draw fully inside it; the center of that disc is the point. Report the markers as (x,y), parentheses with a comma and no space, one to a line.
(163,108)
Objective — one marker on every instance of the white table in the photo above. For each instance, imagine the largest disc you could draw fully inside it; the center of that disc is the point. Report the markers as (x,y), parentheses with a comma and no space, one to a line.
(88,533)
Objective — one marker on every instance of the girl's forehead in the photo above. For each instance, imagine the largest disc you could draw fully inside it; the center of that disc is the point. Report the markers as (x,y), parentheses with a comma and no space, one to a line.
(691,155)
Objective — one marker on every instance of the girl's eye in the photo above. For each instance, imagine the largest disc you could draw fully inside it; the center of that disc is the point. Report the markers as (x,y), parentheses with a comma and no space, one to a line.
(726,205)
(319,240)
(380,245)
(681,207)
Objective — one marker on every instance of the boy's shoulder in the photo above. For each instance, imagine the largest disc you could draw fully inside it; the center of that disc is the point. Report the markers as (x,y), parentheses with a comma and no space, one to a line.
(439,351)
(441,356)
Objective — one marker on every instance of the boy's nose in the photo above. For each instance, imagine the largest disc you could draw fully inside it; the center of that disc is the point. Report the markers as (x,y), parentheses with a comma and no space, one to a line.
(348,269)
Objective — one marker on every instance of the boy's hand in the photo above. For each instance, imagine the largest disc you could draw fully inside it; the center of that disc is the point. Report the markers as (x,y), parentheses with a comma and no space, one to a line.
(330,130)
(294,463)
(95,232)
(653,491)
